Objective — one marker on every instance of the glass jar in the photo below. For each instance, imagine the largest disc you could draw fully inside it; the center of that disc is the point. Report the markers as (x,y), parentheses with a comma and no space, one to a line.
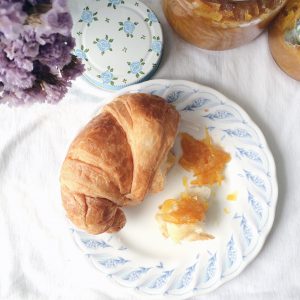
(284,39)
(220,24)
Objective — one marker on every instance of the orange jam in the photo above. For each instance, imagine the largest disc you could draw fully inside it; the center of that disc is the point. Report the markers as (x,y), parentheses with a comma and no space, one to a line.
(284,39)
(220,24)
(231,197)
(206,160)
(187,209)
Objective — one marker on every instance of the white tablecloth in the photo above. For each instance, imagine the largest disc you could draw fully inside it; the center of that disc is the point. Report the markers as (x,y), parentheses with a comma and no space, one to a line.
(38,258)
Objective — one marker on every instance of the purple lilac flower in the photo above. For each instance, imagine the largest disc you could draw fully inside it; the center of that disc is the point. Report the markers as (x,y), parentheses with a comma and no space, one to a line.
(12,18)
(56,52)
(36,63)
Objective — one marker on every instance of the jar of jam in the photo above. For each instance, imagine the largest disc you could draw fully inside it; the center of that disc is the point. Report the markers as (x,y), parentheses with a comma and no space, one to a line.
(284,39)
(220,24)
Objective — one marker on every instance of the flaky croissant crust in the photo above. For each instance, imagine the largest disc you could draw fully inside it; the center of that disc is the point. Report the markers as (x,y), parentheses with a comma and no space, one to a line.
(118,157)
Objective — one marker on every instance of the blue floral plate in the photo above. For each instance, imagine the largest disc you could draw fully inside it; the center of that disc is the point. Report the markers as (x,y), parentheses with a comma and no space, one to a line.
(119,41)
(140,258)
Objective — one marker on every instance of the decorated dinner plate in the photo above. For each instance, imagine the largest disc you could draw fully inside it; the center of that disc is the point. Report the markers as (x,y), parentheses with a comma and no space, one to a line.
(139,258)
(120,42)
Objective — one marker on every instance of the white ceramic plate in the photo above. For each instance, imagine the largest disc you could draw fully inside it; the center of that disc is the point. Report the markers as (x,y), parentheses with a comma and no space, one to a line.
(119,41)
(139,257)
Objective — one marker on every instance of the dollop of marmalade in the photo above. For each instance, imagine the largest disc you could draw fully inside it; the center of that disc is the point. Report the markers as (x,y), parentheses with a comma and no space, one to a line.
(205,159)
(188,209)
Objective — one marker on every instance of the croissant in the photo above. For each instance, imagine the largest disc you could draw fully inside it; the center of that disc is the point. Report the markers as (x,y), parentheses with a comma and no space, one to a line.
(119,156)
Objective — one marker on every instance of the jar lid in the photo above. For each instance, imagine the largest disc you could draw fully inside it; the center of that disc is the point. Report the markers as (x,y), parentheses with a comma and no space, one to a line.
(119,41)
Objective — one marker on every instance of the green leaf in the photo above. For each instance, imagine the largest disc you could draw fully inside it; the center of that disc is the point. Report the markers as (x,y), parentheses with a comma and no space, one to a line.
(111,40)
(128,63)
(141,60)
(121,23)
(81,47)
(127,34)
(131,35)
(128,18)
(115,78)
(146,20)
(87,8)
(120,28)
(112,83)
(135,23)
(86,50)
(150,50)
(110,49)
(80,21)
(111,69)
(109,4)
(150,23)
(142,73)
(137,75)
(98,76)
(95,19)
(114,6)
(106,37)
(108,67)
(88,24)
(129,72)
(94,14)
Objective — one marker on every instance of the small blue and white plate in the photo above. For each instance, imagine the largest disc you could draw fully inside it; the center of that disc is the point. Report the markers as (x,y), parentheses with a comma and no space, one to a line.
(119,41)
(138,257)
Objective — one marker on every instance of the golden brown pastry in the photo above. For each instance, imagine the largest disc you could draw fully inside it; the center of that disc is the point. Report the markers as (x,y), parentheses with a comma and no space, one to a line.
(120,156)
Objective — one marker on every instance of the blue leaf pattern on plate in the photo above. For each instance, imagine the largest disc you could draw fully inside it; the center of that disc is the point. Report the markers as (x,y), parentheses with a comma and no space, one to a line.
(247,232)
(238,132)
(211,268)
(122,248)
(257,181)
(174,96)
(93,244)
(249,154)
(219,115)
(113,262)
(255,205)
(231,252)
(187,277)
(162,280)
(198,103)
(135,275)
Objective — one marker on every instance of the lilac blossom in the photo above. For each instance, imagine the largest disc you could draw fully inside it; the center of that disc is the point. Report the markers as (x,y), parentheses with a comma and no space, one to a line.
(36,63)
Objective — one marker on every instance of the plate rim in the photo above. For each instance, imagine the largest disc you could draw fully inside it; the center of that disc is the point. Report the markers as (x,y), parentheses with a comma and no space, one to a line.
(274,182)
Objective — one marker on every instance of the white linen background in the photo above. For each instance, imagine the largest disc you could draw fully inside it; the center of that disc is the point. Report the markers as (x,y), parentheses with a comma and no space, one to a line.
(38,258)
